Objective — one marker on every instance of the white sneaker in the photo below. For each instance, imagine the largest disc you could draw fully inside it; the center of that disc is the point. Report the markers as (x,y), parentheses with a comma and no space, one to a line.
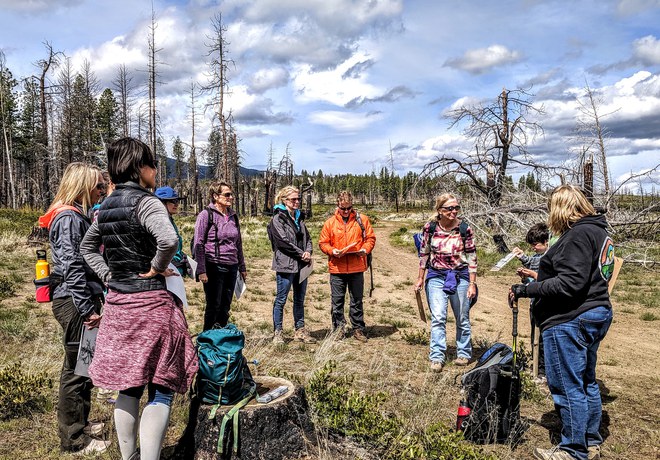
(95,446)
(94,428)
(278,337)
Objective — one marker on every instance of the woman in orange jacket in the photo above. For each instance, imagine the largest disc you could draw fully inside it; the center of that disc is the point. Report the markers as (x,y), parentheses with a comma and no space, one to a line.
(347,238)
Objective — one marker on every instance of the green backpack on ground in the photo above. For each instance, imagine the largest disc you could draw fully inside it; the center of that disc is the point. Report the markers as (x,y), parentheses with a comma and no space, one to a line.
(224,377)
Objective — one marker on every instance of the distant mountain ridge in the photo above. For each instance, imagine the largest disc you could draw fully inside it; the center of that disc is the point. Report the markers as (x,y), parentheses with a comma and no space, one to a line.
(204,170)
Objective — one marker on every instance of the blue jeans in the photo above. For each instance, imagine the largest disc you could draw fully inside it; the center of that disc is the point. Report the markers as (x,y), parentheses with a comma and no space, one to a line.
(570,367)
(460,305)
(284,283)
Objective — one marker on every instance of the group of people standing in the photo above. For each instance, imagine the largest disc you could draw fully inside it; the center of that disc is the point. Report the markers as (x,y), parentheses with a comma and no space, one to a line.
(109,269)
(114,260)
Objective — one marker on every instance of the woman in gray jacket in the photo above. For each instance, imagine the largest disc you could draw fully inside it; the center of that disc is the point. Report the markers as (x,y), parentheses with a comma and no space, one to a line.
(292,250)
(77,294)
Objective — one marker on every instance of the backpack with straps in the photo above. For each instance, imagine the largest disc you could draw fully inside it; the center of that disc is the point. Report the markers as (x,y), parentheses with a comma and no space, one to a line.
(209,219)
(224,377)
(492,392)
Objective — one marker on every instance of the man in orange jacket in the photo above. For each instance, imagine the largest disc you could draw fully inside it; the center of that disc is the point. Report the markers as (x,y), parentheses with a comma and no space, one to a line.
(347,238)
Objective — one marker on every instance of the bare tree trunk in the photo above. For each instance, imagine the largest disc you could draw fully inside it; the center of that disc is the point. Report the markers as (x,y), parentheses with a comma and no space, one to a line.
(589,180)
(6,132)
(45,65)
(122,84)
(153,129)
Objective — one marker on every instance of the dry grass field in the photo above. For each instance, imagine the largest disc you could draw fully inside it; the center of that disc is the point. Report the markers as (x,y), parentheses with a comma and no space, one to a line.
(393,362)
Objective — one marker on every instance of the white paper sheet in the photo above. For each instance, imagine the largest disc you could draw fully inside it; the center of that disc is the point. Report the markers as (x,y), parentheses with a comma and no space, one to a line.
(176,286)
(306,271)
(240,287)
(193,266)
(502,262)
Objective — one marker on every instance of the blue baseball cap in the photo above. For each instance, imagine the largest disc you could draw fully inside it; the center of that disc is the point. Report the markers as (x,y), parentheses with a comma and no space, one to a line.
(166,193)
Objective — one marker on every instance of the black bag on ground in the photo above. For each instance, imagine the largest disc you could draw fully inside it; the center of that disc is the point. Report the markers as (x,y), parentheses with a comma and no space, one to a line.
(492,392)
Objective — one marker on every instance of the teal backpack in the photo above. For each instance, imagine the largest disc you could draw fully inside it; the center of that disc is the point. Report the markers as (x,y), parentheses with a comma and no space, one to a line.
(223,377)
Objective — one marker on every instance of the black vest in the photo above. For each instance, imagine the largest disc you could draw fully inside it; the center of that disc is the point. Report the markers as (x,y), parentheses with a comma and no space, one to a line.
(128,247)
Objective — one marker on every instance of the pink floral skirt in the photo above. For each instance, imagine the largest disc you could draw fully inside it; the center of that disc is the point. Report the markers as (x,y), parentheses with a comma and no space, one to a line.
(143,338)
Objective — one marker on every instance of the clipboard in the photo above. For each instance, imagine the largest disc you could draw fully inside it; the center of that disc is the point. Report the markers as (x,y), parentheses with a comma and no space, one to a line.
(86,351)
(240,287)
(420,305)
(306,271)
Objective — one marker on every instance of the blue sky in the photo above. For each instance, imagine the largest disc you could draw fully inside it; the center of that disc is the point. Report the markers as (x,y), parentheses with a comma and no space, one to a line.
(339,81)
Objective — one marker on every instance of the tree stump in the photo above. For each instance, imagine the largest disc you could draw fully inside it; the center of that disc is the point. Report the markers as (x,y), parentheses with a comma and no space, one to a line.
(280,429)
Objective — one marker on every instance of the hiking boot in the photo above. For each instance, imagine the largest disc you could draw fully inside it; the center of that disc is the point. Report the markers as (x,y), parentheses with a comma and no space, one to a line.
(461,362)
(552,454)
(436,366)
(278,337)
(301,335)
(594,452)
(359,335)
(93,428)
(95,446)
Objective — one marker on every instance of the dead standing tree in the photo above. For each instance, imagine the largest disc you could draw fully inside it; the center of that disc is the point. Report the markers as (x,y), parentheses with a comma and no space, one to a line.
(219,64)
(51,61)
(501,132)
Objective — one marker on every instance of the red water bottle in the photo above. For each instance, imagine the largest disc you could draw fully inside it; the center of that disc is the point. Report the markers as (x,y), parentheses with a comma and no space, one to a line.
(461,418)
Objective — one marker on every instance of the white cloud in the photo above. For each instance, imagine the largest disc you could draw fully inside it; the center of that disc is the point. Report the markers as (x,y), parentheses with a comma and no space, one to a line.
(37,6)
(268,78)
(330,85)
(343,121)
(628,7)
(647,50)
(478,61)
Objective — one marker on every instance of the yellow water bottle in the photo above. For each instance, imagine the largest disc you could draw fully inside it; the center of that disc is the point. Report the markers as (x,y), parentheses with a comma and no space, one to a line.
(42,269)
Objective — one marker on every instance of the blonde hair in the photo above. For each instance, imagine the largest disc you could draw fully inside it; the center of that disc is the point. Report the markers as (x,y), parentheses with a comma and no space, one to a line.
(285,192)
(78,181)
(442,199)
(344,196)
(567,205)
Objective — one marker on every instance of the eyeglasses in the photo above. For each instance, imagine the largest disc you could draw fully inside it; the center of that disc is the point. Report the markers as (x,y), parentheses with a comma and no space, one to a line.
(175,202)
(348,208)
(451,208)
(293,199)
(227,194)
(101,187)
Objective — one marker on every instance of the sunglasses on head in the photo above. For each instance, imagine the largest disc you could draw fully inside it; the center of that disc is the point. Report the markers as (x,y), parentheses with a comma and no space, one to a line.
(452,208)
(347,208)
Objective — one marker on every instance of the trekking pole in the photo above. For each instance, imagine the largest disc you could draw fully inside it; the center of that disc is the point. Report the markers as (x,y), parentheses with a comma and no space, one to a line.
(371,273)
(514,331)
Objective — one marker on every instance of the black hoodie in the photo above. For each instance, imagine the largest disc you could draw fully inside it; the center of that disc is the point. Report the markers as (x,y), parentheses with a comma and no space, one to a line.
(574,273)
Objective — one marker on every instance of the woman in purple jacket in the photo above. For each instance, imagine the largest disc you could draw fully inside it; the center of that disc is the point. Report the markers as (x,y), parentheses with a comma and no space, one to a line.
(219,253)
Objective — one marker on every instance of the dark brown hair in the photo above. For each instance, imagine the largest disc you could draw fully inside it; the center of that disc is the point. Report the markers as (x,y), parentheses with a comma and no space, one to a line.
(125,158)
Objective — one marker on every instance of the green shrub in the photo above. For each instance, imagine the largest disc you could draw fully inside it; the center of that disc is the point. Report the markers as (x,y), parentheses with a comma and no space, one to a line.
(21,393)
(648,316)
(7,287)
(14,322)
(348,413)
(418,337)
